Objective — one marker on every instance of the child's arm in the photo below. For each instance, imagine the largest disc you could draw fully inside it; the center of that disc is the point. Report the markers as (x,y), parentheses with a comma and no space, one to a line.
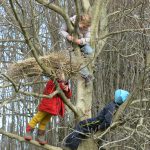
(66,89)
(68,93)
(63,30)
(85,39)
(49,88)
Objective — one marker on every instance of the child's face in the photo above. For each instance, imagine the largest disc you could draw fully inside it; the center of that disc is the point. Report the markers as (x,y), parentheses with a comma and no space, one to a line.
(82,26)
(61,76)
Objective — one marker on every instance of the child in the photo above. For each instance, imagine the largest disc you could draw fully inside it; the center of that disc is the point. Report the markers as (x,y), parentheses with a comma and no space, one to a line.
(48,108)
(83,40)
(101,122)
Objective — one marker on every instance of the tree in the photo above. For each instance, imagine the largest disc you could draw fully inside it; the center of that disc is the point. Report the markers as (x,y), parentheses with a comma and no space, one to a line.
(29,19)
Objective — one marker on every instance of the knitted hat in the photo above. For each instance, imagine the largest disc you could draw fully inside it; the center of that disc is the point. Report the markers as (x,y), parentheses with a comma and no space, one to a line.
(121,96)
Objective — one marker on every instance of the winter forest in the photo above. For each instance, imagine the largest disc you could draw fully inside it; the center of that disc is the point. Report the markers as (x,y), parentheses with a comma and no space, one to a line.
(33,51)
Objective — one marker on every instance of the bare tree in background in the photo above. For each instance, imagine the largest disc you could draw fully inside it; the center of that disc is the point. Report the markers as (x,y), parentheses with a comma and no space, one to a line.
(120,38)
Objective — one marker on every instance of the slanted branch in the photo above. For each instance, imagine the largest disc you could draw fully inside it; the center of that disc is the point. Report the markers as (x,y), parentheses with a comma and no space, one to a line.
(21,139)
(54,61)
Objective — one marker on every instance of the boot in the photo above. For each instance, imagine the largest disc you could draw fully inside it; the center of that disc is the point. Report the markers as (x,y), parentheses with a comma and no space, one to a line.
(88,80)
(41,137)
(28,134)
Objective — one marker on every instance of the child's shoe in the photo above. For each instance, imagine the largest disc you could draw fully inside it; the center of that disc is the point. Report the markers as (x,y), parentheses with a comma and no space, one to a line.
(28,134)
(41,137)
(88,80)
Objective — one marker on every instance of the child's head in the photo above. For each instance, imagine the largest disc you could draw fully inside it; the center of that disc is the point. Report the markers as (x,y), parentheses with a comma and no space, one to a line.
(85,21)
(121,96)
(60,75)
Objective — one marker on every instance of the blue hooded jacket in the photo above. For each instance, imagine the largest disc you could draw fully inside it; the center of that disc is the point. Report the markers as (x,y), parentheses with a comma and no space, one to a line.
(106,114)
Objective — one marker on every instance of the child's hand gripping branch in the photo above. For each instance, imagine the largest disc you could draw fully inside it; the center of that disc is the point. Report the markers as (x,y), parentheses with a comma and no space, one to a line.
(72,39)
(65,87)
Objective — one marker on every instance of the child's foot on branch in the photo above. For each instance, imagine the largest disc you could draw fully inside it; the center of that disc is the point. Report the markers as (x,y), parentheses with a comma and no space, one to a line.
(41,137)
(88,80)
(28,134)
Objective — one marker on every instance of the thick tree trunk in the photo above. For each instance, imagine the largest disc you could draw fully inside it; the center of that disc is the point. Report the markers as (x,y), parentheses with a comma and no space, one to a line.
(88,144)
(84,94)
(84,99)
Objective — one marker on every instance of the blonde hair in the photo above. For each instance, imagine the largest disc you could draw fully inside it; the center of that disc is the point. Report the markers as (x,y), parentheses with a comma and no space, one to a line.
(85,19)
(60,74)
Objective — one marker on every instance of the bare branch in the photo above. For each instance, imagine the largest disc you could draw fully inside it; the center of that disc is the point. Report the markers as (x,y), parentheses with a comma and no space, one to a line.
(139,132)
(13,83)
(21,139)
(58,10)
(85,5)
(123,31)
(12,40)
(68,103)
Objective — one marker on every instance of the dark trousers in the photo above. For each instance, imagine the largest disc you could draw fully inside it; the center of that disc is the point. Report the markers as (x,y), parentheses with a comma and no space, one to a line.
(81,132)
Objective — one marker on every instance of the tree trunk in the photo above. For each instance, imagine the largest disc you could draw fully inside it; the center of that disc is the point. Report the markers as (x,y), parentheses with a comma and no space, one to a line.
(84,99)
(88,144)
(84,94)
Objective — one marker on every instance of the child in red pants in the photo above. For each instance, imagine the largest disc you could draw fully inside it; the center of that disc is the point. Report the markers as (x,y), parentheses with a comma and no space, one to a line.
(48,108)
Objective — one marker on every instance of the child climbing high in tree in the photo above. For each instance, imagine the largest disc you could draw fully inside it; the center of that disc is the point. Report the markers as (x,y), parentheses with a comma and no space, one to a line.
(83,40)
(47,108)
(101,122)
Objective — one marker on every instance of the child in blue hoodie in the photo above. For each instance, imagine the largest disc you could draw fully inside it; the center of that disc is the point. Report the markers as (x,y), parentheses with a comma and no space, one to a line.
(101,122)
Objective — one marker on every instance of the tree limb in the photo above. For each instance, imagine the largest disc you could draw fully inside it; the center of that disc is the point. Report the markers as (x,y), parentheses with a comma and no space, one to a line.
(85,5)
(12,40)
(122,31)
(21,139)
(28,41)
(58,10)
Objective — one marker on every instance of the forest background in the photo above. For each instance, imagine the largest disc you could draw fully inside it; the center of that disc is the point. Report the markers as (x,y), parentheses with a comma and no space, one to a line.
(120,37)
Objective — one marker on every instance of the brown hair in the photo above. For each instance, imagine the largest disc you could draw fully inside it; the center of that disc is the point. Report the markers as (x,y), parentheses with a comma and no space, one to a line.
(85,19)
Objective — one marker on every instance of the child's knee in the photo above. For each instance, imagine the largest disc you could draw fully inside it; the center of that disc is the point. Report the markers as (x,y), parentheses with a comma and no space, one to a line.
(88,49)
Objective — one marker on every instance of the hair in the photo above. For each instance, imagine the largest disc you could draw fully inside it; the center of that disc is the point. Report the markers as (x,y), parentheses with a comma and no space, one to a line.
(85,19)
(59,72)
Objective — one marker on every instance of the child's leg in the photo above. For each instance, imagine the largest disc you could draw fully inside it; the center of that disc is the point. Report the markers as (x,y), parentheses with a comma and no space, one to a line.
(88,125)
(44,121)
(73,140)
(41,130)
(37,118)
(84,72)
(87,49)
(31,125)
(86,75)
